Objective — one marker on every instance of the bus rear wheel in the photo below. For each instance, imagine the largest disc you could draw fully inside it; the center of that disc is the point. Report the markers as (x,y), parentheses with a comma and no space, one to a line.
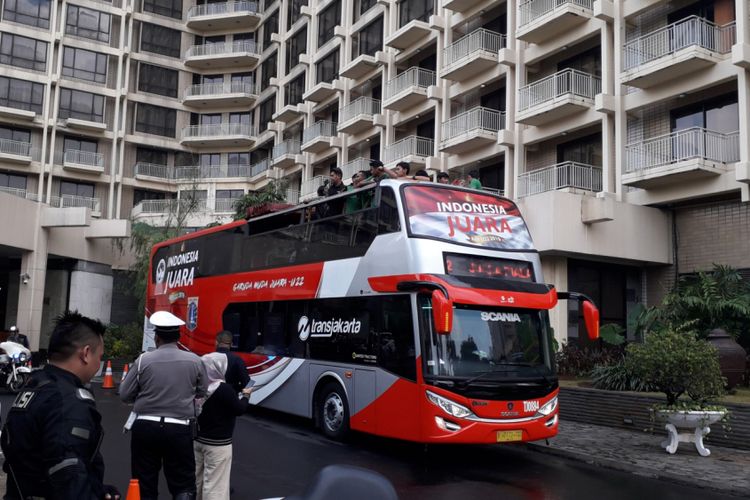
(333,409)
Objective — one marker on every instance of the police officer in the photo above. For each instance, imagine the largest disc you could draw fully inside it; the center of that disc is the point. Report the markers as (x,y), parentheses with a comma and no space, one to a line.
(52,436)
(18,337)
(163,386)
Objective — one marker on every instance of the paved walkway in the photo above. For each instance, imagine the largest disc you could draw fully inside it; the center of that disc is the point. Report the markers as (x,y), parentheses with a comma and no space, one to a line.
(726,469)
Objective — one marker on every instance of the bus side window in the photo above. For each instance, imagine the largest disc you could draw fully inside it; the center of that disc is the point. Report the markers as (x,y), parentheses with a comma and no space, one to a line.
(388,212)
(395,337)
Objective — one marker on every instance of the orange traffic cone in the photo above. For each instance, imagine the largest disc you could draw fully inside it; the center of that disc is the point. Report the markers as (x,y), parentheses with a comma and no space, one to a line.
(124,373)
(134,490)
(108,382)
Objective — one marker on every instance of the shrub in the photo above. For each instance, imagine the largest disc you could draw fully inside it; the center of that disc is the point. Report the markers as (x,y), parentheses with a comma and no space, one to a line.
(579,361)
(123,342)
(618,377)
(677,363)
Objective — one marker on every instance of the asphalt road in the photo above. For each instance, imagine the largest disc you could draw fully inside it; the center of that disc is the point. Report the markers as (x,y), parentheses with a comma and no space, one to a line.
(276,455)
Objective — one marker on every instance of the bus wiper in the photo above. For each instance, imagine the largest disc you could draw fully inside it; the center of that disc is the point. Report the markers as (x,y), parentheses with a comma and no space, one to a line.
(536,368)
(464,383)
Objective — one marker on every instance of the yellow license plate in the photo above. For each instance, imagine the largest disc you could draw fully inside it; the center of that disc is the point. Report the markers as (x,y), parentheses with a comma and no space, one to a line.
(506,436)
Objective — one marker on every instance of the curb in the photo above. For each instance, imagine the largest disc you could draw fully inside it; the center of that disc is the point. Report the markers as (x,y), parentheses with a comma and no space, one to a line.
(704,483)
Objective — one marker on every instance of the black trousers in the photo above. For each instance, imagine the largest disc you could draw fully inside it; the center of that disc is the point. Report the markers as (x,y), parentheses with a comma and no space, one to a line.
(154,444)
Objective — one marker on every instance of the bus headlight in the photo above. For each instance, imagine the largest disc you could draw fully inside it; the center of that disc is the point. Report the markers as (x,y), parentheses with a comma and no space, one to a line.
(548,408)
(451,408)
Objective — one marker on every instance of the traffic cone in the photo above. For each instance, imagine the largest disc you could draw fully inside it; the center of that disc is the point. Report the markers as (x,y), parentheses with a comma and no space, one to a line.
(29,364)
(124,373)
(108,382)
(134,490)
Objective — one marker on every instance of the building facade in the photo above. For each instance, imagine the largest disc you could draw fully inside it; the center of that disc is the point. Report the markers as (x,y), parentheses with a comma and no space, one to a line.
(621,128)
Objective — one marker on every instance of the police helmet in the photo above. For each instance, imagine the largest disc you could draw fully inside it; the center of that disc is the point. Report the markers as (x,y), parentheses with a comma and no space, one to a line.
(165,319)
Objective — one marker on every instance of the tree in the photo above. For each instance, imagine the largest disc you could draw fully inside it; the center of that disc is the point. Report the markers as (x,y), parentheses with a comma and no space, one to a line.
(273,192)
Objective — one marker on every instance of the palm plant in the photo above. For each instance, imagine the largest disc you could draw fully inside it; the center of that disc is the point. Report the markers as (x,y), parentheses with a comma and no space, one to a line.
(273,192)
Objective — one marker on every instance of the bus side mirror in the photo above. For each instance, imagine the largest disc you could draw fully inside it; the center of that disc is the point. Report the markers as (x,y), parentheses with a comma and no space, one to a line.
(442,313)
(591,319)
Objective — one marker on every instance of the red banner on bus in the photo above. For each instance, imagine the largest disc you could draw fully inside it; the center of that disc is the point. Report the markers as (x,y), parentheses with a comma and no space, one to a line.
(465,217)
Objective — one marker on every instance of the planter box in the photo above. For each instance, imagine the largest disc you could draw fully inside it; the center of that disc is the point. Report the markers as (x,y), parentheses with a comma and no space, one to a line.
(628,410)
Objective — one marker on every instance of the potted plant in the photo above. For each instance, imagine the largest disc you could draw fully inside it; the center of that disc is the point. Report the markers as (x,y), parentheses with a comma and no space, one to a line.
(686,369)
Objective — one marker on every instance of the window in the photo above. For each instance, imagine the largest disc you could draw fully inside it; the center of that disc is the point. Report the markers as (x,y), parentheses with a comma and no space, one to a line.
(295,9)
(157,80)
(140,195)
(409,10)
(31,12)
(267,108)
(151,155)
(21,94)
(296,46)
(84,65)
(168,8)
(327,69)
(23,52)
(15,134)
(84,189)
(293,90)
(362,6)
(155,120)
(78,144)
(213,119)
(160,40)
(268,70)
(586,150)
(183,158)
(229,193)
(270,26)
(240,118)
(589,62)
(13,181)
(370,39)
(81,105)
(242,78)
(235,162)
(327,21)
(87,23)
(719,115)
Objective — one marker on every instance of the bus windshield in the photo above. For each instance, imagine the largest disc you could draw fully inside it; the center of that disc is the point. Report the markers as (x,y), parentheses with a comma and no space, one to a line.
(489,344)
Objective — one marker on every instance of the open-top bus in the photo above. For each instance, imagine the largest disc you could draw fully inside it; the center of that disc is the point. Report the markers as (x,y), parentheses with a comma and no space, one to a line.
(410,310)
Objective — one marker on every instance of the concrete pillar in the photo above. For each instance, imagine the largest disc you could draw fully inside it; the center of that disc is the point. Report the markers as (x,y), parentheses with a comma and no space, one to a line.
(31,288)
(620,117)
(555,271)
(91,290)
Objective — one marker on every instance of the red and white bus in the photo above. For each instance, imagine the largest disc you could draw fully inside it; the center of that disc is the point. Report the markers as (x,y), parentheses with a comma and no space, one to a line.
(409,310)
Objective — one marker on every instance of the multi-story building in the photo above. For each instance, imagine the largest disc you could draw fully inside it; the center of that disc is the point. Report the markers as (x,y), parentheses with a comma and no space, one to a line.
(620,127)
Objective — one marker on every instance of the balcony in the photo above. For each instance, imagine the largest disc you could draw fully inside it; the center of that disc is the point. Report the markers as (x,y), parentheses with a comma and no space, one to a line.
(262,167)
(408,35)
(15,151)
(223,55)
(88,124)
(560,176)
(83,161)
(285,154)
(412,149)
(310,187)
(319,137)
(688,154)
(219,134)
(472,54)
(541,20)
(211,172)
(292,196)
(68,201)
(460,6)
(224,16)
(350,168)
(362,65)
(153,172)
(408,88)
(215,95)
(675,51)
(289,113)
(21,193)
(358,115)
(323,91)
(566,92)
(470,130)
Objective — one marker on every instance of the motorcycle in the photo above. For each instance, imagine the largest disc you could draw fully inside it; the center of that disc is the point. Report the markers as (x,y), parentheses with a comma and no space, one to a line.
(13,369)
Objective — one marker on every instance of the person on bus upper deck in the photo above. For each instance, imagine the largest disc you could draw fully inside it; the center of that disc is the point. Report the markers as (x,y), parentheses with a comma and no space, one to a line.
(443,178)
(473,180)
(378,171)
(357,201)
(236,373)
(421,175)
(163,386)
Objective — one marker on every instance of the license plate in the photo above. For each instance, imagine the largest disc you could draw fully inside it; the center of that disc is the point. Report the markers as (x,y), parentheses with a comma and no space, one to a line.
(506,436)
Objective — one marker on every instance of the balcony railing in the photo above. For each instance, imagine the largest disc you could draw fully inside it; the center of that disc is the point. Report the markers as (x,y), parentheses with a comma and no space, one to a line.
(292,196)
(21,193)
(362,106)
(310,186)
(217,9)
(153,170)
(534,9)
(15,148)
(319,129)
(563,175)
(476,119)
(259,167)
(410,146)
(211,171)
(287,147)
(683,145)
(348,169)
(225,204)
(465,46)
(218,130)
(223,48)
(76,157)
(222,88)
(68,201)
(412,77)
(567,81)
(679,35)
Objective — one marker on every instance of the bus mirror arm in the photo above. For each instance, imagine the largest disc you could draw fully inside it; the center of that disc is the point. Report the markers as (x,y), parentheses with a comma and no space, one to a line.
(590,311)
(442,305)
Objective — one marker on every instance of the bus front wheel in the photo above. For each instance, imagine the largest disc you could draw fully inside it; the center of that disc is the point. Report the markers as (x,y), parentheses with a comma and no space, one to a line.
(333,409)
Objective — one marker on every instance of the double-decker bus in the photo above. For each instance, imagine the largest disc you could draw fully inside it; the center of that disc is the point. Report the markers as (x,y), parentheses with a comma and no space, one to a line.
(410,310)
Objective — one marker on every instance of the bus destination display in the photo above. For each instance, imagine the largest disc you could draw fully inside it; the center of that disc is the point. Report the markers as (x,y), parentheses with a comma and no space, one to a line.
(487,267)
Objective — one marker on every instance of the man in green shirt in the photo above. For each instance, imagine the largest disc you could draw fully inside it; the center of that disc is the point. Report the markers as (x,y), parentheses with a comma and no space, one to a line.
(473,179)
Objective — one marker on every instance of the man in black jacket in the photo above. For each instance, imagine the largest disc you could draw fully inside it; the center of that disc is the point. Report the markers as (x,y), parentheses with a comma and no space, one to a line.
(236,375)
(53,433)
